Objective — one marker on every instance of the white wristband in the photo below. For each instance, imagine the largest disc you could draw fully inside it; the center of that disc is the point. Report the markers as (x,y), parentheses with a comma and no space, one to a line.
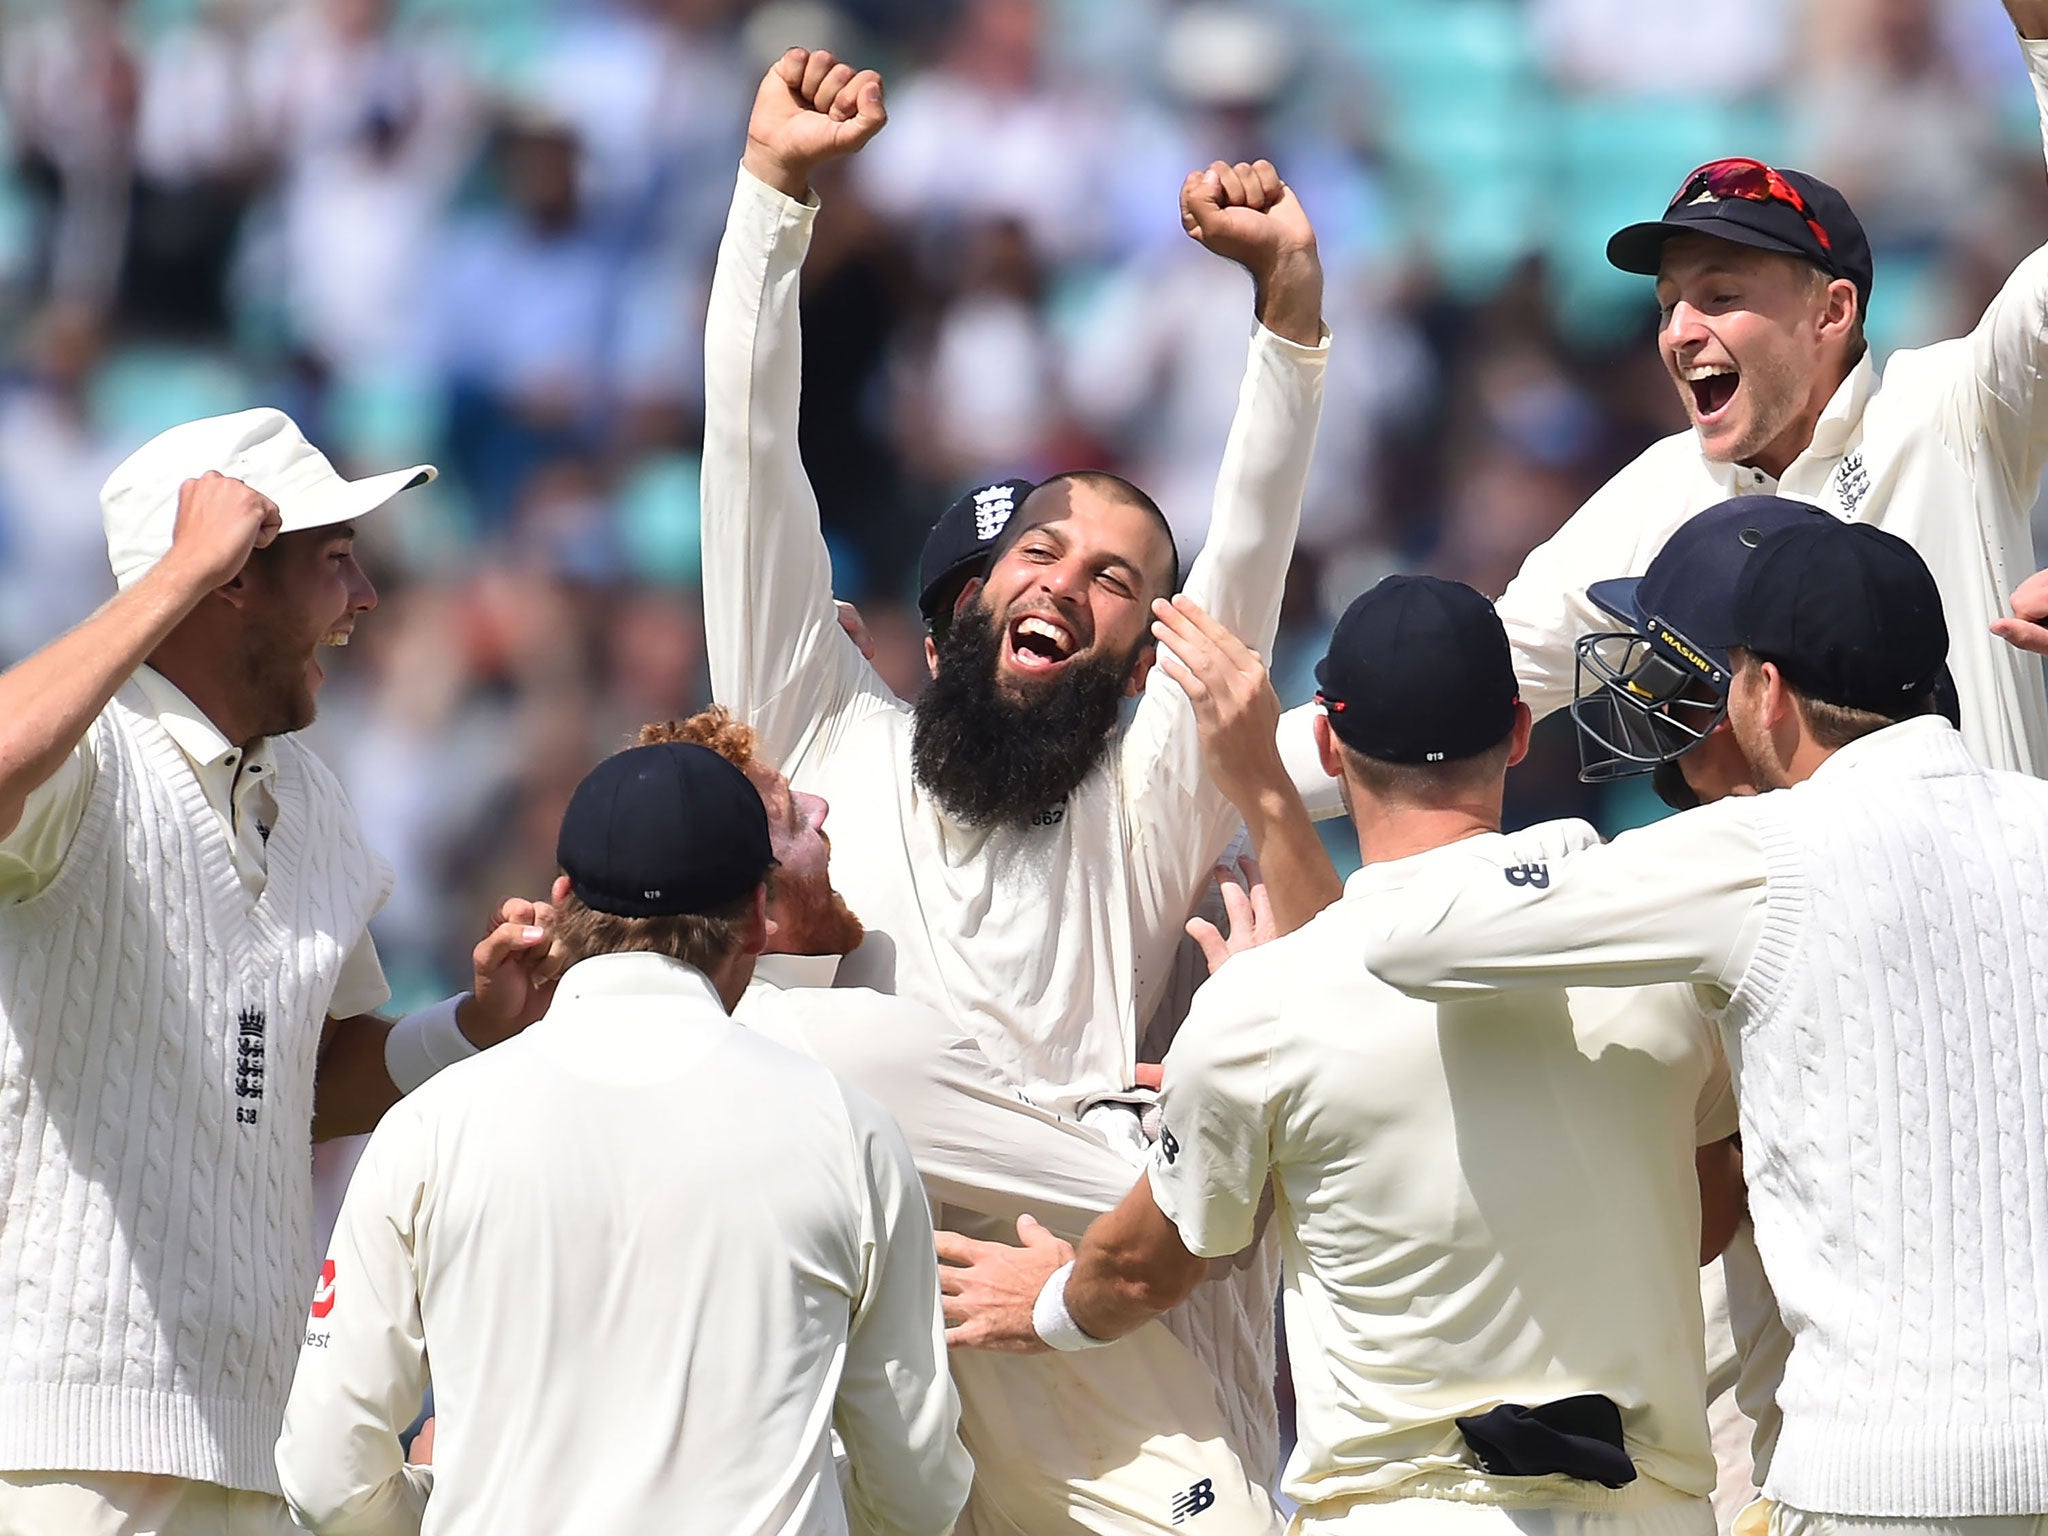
(425,1041)
(1051,1320)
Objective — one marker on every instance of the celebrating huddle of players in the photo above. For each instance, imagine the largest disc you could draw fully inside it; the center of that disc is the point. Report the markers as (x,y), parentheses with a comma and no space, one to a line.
(906,1181)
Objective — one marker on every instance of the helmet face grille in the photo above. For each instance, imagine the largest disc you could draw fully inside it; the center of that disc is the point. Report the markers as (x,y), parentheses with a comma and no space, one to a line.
(1635,707)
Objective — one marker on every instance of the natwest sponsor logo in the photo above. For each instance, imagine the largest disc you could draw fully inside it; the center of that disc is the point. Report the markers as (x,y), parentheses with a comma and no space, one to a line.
(323,1293)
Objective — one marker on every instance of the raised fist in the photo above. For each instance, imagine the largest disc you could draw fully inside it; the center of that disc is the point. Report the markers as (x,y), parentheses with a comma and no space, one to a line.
(1246,213)
(219,522)
(811,108)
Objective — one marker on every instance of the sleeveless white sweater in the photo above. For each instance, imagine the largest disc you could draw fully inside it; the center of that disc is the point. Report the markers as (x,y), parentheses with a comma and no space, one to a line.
(1893,1040)
(158,1036)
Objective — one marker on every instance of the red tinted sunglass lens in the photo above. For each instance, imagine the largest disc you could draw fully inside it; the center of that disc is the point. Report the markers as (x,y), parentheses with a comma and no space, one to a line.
(1747,179)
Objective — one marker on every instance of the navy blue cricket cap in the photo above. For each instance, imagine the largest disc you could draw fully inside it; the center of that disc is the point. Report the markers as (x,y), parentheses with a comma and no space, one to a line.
(1849,613)
(1418,671)
(1684,603)
(958,546)
(1766,224)
(664,831)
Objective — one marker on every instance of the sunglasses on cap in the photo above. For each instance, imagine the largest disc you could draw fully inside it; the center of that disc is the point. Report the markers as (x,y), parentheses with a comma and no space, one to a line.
(1752,181)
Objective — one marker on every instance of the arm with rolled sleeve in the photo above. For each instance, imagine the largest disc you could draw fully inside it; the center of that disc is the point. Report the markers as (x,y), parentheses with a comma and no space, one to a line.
(1179,821)
(777,655)
(897,1413)
(363,1371)
(1680,900)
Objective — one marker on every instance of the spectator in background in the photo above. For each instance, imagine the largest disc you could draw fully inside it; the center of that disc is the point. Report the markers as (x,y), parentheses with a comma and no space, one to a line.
(520,394)
(370,123)
(1888,118)
(70,82)
(974,138)
(1151,366)
(1614,46)
(859,301)
(196,158)
(990,393)
(53,460)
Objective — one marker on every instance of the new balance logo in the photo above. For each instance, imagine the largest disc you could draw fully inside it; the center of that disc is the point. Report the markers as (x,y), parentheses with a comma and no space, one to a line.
(1537,875)
(993,505)
(1168,1147)
(1190,1502)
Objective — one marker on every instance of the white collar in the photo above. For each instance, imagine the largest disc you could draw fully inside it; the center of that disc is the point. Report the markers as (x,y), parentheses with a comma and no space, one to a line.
(1936,744)
(636,973)
(196,735)
(1831,434)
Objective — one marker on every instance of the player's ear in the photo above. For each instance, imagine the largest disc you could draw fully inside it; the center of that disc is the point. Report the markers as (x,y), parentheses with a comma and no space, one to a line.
(1518,734)
(1140,670)
(931,655)
(1326,747)
(760,926)
(1841,314)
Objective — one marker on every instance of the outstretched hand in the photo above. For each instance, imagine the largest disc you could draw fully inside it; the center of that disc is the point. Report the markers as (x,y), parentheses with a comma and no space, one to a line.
(987,1290)
(810,108)
(2029,629)
(1247,214)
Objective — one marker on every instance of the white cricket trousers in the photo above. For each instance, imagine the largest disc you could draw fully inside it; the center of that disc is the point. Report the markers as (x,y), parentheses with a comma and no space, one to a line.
(1787,1521)
(1674,1515)
(134,1504)
(1108,1442)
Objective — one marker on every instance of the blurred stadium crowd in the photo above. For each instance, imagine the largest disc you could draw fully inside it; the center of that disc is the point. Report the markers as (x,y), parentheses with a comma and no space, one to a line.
(479,232)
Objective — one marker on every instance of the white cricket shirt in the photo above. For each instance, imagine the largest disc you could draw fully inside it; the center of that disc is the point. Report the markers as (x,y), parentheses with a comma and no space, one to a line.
(1873,939)
(1945,449)
(1479,1202)
(656,1261)
(1049,942)
(237,786)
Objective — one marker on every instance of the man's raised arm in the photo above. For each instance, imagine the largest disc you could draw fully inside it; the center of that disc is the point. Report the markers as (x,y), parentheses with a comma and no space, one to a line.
(777,656)
(2008,350)
(1245,214)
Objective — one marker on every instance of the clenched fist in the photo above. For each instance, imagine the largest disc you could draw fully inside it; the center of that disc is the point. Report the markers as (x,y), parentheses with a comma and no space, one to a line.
(220,521)
(1246,213)
(811,108)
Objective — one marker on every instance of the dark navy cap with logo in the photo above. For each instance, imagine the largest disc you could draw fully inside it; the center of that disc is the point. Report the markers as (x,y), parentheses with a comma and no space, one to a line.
(664,831)
(1752,204)
(1849,613)
(1418,671)
(1684,602)
(958,546)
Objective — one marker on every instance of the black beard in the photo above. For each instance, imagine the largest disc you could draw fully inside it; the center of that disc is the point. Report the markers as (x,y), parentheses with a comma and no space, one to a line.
(992,759)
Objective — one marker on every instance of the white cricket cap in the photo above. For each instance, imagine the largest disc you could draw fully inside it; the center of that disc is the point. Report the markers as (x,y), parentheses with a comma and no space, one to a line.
(265,450)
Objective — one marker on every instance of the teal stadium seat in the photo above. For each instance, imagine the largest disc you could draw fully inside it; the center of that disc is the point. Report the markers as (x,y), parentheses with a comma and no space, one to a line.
(1464,115)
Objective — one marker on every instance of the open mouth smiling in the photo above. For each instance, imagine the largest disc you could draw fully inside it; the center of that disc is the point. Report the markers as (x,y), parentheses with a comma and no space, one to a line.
(1039,643)
(1713,387)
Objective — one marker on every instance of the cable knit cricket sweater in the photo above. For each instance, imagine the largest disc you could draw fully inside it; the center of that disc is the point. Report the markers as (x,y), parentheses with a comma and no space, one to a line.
(158,1036)
(1893,1032)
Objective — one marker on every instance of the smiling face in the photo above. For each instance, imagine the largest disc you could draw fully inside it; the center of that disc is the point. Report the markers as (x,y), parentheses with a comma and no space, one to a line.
(1074,582)
(1755,343)
(811,918)
(301,593)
